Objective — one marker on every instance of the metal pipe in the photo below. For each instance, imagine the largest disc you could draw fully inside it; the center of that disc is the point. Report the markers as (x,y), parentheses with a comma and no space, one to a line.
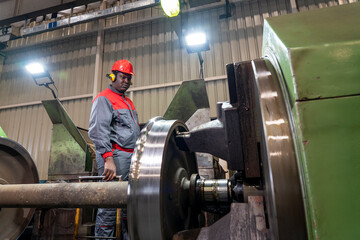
(89,178)
(64,195)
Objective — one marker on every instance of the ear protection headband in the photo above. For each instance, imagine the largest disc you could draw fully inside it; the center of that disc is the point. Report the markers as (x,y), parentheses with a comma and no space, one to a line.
(111,77)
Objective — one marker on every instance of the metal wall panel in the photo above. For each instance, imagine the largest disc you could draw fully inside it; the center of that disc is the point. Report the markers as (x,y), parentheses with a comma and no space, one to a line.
(13,8)
(156,52)
(31,127)
(149,41)
(71,64)
(35,5)
(89,28)
(7,9)
(79,111)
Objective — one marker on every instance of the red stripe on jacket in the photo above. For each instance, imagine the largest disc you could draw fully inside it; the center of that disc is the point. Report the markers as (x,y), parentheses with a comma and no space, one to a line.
(116,99)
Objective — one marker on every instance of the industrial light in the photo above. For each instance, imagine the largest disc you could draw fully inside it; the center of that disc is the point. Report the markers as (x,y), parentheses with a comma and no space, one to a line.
(170,7)
(41,76)
(196,42)
(195,39)
(35,68)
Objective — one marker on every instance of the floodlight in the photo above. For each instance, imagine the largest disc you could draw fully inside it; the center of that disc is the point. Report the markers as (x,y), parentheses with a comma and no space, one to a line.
(195,39)
(170,7)
(40,75)
(196,42)
(35,68)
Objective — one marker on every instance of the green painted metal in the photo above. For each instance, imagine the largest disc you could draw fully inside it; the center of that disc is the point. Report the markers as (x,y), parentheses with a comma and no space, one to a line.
(69,152)
(319,57)
(190,97)
(319,50)
(2,133)
(66,155)
(331,140)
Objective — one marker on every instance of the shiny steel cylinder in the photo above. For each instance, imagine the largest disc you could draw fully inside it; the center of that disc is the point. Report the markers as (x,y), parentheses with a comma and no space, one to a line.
(214,191)
(55,195)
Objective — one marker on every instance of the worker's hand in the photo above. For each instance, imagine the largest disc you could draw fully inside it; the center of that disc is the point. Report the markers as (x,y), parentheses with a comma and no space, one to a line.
(109,169)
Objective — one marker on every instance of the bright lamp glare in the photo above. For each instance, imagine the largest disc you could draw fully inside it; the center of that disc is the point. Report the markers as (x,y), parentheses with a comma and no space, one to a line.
(195,39)
(171,7)
(35,68)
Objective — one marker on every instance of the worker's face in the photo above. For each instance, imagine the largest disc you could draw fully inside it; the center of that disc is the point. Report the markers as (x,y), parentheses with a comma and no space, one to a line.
(122,82)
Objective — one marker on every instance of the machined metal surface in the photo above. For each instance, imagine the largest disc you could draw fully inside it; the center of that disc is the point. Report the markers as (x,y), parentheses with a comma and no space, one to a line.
(218,137)
(214,191)
(191,106)
(241,82)
(157,206)
(282,182)
(66,195)
(16,167)
(213,196)
(244,221)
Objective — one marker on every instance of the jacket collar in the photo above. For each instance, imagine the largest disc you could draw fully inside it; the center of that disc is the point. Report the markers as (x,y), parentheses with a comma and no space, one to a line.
(114,90)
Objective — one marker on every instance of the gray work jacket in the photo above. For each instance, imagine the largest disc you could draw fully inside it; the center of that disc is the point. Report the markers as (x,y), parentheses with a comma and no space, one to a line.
(113,120)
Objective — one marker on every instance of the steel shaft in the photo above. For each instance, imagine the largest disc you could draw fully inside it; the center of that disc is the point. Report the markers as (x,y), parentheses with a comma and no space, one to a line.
(56,195)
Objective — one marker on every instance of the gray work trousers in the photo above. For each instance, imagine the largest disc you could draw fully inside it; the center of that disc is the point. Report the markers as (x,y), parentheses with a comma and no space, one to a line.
(106,217)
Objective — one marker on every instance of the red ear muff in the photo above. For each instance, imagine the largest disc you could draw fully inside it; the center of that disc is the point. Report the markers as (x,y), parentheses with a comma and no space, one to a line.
(111,77)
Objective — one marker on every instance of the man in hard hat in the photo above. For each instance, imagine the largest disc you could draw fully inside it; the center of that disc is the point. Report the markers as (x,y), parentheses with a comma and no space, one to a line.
(114,129)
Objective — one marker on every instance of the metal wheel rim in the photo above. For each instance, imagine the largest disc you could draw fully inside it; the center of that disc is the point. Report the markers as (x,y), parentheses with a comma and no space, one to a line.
(151,193)
(282,180)
(16,167)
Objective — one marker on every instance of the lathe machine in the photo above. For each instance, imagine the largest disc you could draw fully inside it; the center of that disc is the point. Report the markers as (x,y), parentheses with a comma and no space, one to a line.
(289,132)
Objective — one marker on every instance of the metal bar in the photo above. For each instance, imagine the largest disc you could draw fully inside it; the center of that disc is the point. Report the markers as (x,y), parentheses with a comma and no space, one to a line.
(76,227)
(118,234)
(245,92)
(118,224)
(65,195)
(87,178)
(39,102)
(93,237)
(99,56)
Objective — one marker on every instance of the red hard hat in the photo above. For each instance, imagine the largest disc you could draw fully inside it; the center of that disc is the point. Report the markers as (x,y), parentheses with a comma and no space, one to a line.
(124,66)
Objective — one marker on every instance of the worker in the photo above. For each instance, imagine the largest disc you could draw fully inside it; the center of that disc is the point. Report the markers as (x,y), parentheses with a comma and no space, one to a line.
(114,129)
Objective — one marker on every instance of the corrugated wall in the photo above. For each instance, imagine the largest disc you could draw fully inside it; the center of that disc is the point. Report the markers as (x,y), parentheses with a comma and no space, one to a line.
(156,51)
(151,45)
(71,64)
